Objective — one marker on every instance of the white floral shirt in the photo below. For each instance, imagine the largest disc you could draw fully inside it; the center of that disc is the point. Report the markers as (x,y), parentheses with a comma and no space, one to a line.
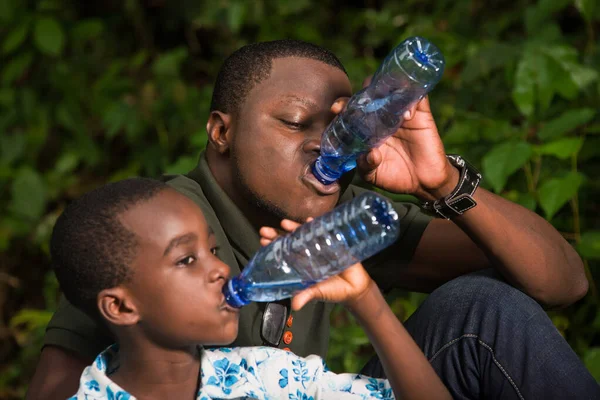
(246,373)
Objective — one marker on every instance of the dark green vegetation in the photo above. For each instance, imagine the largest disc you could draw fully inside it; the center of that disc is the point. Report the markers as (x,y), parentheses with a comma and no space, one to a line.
(101,90)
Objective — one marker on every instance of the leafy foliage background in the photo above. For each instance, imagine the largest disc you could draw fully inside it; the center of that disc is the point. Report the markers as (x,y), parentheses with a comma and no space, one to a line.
(97,91)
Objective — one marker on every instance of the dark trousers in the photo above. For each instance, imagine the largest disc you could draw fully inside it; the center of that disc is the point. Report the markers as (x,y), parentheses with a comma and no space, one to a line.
(488,340)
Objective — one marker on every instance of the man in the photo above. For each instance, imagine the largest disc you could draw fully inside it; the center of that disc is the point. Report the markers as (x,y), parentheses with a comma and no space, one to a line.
(271,103)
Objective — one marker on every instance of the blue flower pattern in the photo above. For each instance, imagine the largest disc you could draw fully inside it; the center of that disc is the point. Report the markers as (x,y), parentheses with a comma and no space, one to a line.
(301,372)
(378,390)
(283,382)
(247,373)
(300,396)
(93,385)
(227,374)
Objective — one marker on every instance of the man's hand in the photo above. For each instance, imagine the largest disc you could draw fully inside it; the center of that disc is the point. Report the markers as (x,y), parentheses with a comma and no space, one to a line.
(412,160)
(348,286)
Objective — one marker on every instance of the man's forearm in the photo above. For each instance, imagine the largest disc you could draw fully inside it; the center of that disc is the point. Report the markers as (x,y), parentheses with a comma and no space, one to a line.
(526,249)
(57,374)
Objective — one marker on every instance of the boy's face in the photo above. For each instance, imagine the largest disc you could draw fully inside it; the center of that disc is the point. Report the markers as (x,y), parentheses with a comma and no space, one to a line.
(277,134)
(177,278)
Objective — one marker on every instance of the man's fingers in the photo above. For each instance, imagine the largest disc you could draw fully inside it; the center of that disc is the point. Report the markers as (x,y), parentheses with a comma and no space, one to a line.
(370,161)
(339,105)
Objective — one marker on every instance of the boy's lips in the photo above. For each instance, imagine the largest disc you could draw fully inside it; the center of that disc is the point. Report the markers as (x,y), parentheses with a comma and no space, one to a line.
(226,307)
(310,180)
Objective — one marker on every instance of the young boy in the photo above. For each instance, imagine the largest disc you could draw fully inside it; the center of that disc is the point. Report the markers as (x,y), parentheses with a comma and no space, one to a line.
(140,257)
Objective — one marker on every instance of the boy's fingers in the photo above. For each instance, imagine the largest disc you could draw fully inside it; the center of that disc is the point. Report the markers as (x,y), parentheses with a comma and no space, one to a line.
(289,225)
(268,232)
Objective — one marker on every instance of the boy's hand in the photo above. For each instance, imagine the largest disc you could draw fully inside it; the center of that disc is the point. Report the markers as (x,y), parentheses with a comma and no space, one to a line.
(349,286)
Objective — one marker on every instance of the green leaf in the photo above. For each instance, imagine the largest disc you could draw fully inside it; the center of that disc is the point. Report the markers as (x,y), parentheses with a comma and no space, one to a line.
(567,59)
(565,123)
(28,194)
(182,165)
(591,360)
(11,148)
(523,93)
(7,97)
(527,201)
(6,10)
(586,8)
(235,15)
(503,161)
(48,36)
(15,38)
(561,148)
(462,132)
(589,247)
(87,30)
(488,58)
(16,68)
(556,192)
(168,64)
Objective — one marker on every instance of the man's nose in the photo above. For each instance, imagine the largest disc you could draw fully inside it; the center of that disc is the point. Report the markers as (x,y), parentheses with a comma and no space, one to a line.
(313,143)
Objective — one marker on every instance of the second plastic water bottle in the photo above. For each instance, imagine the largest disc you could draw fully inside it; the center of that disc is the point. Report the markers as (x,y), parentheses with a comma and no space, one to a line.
(373,114)
(317,250)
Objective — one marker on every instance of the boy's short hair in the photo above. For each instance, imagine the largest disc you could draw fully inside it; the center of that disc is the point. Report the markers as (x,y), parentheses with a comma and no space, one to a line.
(91,250)
(251,64)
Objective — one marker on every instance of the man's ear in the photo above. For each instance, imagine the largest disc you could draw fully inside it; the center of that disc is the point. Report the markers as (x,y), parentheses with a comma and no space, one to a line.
(218,128)
(117,307)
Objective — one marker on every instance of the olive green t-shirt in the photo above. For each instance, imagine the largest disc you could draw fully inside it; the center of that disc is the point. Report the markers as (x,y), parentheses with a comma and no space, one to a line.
(237,241)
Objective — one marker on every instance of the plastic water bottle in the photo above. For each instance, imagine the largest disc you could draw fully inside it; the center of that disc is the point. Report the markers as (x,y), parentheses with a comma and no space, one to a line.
(373,114)
(316,250)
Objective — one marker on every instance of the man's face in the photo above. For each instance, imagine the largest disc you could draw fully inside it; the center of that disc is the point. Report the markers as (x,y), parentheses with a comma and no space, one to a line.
(277,134)
(177,279)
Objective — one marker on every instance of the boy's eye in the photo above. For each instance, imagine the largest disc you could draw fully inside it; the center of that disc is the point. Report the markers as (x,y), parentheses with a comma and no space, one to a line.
(186,261)
(214,250)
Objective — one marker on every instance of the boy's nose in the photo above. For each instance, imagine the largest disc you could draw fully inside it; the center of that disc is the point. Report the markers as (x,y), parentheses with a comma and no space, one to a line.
(219,271)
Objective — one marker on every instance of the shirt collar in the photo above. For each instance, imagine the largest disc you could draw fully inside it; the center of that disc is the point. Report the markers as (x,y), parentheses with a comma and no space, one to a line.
(242,235)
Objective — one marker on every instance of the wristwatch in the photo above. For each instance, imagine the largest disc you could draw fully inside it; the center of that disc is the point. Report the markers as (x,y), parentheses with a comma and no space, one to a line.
(461,198)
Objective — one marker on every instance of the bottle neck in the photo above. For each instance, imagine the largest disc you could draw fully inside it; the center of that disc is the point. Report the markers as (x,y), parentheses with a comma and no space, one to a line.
(233,293)
(323,174)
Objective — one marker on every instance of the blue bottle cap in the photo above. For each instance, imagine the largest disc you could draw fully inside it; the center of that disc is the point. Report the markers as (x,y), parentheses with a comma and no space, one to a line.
(231,294)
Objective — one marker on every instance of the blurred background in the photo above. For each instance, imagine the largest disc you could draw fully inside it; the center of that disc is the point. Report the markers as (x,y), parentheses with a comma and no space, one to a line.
(99,90)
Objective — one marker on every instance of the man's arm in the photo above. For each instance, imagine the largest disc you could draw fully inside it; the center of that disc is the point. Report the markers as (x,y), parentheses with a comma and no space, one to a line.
(57,374)
(71,343)
(524,247)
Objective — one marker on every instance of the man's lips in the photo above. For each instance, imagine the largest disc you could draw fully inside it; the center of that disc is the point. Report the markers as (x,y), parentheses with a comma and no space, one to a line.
(309,179)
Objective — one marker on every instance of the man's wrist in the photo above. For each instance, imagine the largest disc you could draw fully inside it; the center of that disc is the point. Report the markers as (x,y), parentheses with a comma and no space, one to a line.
(460,198)
(449,185)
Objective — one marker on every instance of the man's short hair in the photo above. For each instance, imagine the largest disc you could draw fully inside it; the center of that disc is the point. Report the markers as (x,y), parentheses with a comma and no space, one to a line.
(91,250)
(251,64)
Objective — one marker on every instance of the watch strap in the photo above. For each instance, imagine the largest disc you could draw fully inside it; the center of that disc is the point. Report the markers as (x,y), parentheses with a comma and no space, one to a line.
(461,198)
